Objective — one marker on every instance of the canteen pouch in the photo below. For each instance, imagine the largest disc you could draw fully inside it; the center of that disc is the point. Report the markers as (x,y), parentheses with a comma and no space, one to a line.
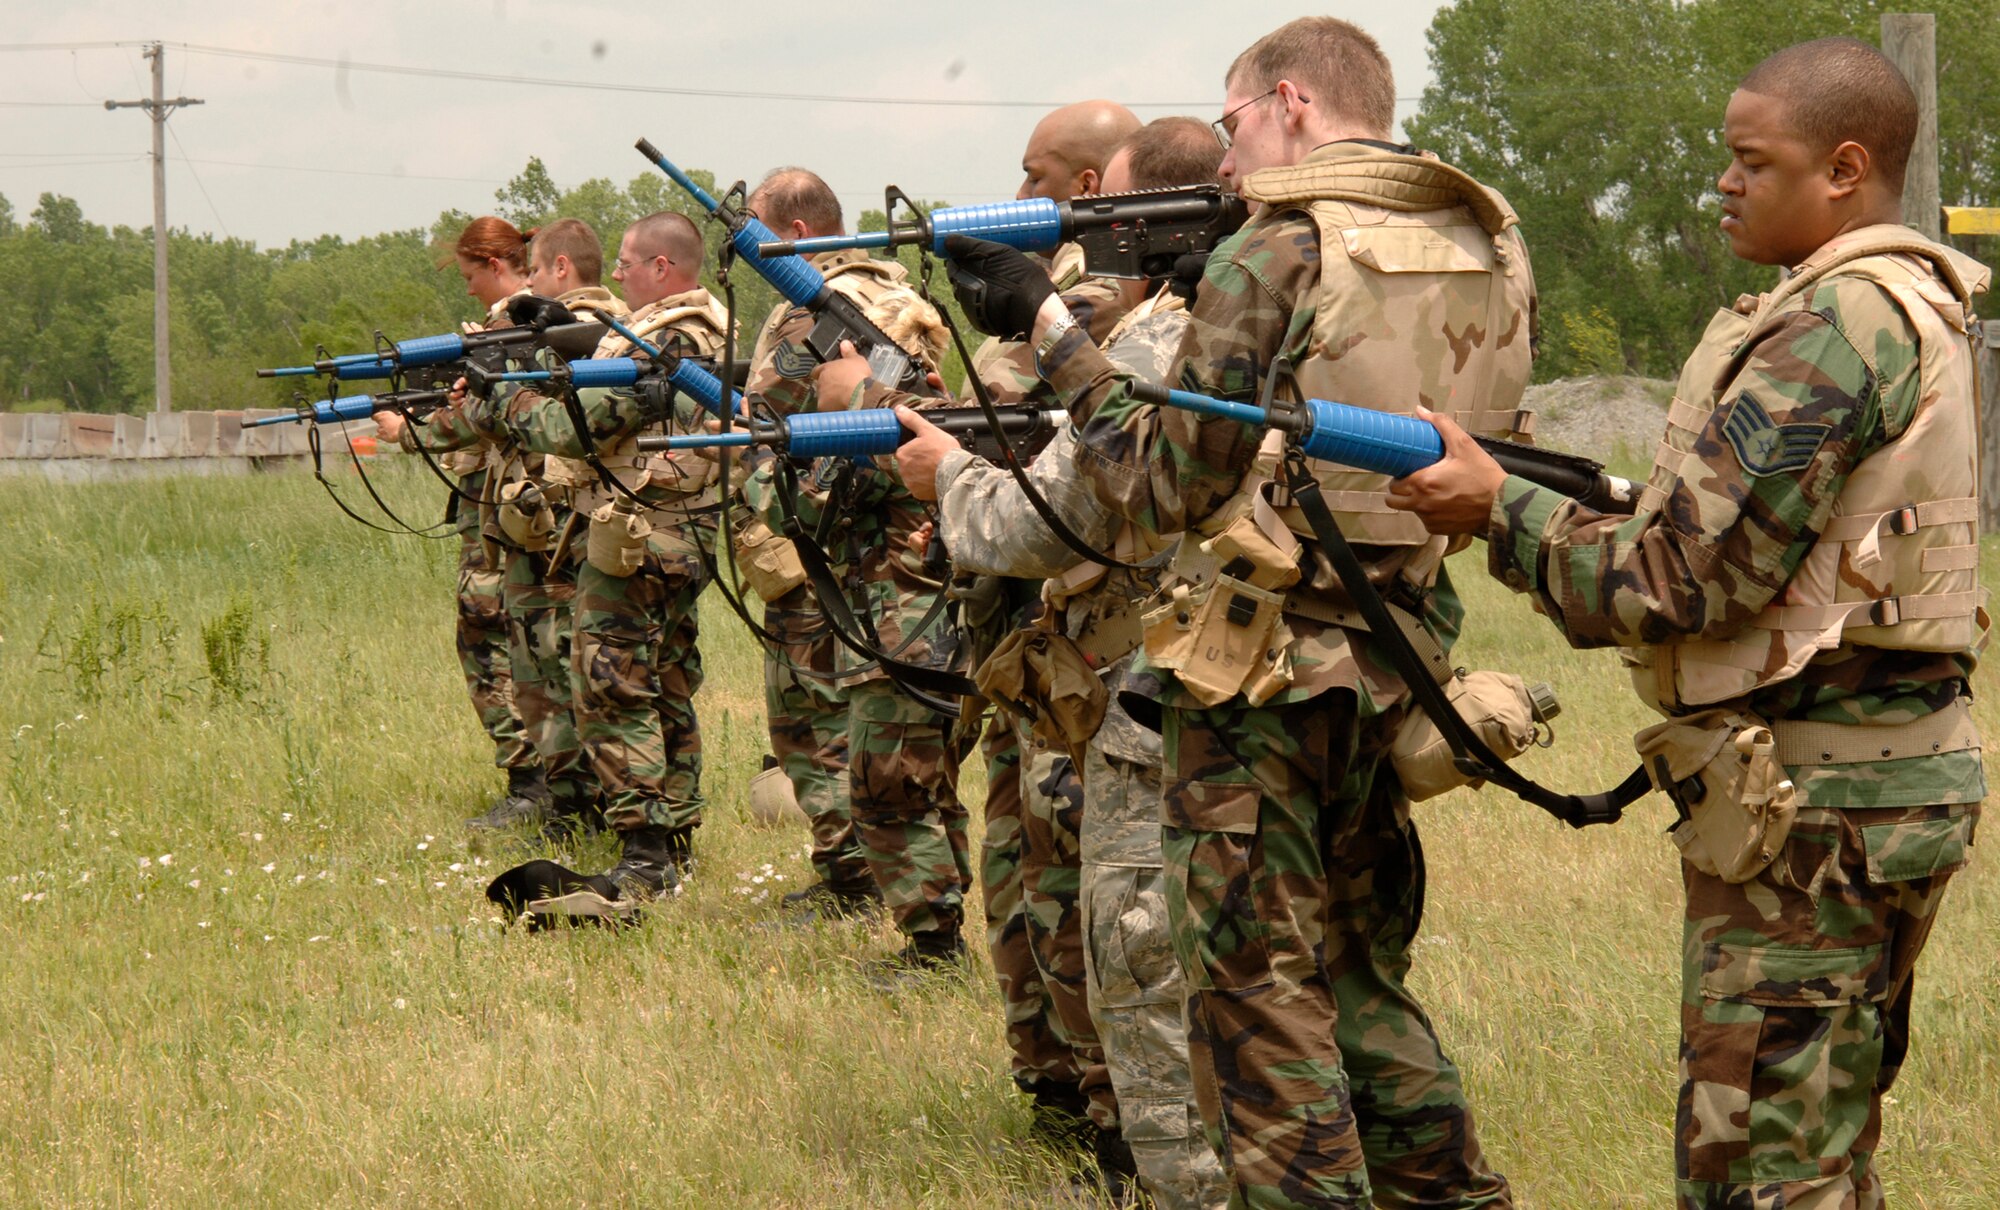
(530,527)
(773,800)
(1721,769)
(1497,706)
(1045,679)
(1222,639)
(768,560)
(616,545)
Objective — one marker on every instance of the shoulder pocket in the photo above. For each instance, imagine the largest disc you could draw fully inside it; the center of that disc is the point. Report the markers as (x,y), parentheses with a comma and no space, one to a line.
(1420,249)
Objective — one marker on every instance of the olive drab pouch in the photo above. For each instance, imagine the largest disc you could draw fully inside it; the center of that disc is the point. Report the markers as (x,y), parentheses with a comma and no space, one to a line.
(1045,679)
(616,545)
(1501,708)
(524,517)
(768,560)
(1737,803)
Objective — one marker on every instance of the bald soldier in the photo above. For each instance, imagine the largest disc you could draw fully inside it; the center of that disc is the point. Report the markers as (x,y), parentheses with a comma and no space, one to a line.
(1798,592)
(1067,152)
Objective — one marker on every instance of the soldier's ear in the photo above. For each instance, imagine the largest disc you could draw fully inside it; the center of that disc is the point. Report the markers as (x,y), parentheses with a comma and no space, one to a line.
(1847,167)
(1087,181)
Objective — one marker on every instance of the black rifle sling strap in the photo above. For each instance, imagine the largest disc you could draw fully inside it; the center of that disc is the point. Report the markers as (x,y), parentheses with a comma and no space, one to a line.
(1469,752)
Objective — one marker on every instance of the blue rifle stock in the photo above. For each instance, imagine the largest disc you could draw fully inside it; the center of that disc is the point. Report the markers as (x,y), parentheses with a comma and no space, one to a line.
(356,407)
(448,350)
(1396,445)
(837,317)
(870,431)
(1130,235)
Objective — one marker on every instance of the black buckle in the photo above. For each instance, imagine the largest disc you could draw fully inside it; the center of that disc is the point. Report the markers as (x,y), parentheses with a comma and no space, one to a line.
(1886,612)
(1903,521)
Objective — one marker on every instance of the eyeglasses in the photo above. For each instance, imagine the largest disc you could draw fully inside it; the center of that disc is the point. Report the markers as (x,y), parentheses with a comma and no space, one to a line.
(621,265)
(1225,130)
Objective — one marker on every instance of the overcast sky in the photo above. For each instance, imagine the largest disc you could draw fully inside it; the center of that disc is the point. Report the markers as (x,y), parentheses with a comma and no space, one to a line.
(285,150)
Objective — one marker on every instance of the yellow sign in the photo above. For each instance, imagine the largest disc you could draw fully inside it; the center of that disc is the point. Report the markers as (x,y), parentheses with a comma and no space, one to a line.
(1972,220)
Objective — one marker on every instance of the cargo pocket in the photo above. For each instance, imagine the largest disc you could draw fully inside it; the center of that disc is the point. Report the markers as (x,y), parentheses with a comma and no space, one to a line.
(1131,943)
(1907,851)
(1785,1058)
(1213,860)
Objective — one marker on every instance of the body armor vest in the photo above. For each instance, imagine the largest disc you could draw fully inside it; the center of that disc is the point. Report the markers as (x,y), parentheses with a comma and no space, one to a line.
(485,454)
(1425,297)
(1897,564)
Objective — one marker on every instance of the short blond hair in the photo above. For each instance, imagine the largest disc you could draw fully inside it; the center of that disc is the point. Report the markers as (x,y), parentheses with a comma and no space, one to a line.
(1336,63)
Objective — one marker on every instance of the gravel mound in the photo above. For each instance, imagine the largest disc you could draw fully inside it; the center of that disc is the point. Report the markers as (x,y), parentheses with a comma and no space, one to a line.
(1611,419)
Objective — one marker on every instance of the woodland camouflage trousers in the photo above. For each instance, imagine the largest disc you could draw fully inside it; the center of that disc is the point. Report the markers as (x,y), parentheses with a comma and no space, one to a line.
(481,637)
(903,784)
(636,668)
(539,599)
(1295,885)
(1795,1006)
(808,721)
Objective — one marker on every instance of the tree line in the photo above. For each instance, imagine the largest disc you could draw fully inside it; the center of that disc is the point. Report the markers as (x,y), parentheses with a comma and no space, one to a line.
(1599,119)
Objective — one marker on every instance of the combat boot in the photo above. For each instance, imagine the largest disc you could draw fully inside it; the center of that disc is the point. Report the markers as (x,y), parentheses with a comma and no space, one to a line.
(573,819)
(836,899)
(925,955)
(652,862)
(1059,1116)
(527,802)
(1116,1168)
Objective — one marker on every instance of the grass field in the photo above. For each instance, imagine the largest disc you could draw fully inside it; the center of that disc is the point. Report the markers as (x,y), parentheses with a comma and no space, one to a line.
(247,960)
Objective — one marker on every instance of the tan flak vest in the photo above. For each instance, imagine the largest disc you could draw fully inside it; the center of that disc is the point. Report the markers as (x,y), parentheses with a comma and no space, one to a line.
(1425,297)
(1897,565)
(483,455)
(861,277)
(688,478)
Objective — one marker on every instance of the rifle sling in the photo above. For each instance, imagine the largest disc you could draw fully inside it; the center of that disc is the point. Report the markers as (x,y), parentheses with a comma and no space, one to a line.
(1469,751)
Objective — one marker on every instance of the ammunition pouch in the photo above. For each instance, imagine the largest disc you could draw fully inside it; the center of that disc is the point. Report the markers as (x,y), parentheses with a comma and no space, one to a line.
(1222,639)
(616,545)
(1736,801)
(1044,679)
(1499,707)
(767,560)
(524,517)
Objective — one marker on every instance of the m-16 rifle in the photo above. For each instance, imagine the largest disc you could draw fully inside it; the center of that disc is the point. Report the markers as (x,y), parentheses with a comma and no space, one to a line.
(425,359)
(1131,235)
(837,317)
(359,407)
(870,431)
(1392,444)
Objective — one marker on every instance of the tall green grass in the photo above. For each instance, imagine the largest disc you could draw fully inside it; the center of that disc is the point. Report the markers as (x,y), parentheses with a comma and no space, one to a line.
(248,961)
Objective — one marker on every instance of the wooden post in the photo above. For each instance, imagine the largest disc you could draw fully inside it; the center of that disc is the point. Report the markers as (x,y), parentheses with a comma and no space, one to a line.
(1989,428)
(1910,42)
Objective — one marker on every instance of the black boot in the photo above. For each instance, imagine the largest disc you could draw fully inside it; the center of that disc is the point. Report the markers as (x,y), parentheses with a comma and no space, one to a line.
(527,801)
(652,862)
(1116,1168)
(576,815)
(1060,1117)
(836,899)
(926,954)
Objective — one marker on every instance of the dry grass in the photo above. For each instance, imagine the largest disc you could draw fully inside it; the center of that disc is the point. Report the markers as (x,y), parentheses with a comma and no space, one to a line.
(309,1003)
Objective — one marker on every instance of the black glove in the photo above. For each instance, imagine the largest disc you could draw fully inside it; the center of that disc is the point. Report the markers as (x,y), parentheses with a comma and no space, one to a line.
(1188,269)
(999,287)
(541,314)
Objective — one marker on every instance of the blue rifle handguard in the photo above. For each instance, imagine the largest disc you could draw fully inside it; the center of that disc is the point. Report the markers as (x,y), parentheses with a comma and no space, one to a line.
(1031,225)
(348,407)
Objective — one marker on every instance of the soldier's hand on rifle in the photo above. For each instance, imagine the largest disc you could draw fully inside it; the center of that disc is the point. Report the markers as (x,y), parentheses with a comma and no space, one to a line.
(918,459)
(834,381)
(1001,290)
(1455,494)
(389,425)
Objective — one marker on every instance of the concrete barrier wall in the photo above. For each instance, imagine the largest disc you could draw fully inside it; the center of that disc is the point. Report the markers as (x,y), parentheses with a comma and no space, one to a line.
(175,440)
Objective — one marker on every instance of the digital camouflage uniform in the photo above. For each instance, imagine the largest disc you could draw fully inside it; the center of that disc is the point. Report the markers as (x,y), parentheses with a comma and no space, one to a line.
(1294,876)
(1034,798)
(1132,981)
(902,774)
(538,578)
(635,665)
(480,633)
(1796,984)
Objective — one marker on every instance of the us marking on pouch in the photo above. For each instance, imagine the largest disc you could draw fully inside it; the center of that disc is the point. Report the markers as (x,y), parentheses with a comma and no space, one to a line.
(1765,447)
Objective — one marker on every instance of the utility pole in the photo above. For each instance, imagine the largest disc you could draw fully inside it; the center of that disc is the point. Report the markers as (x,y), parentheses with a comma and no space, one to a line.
(158,108)
(1910,42)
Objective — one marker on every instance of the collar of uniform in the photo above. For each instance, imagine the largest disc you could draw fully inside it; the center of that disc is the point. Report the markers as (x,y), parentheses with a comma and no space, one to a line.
(697,297)
(595,295)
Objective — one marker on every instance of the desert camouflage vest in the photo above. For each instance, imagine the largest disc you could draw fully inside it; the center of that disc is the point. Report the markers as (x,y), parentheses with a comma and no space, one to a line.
(698,320)
(586,303)
(1897,565)
(485,454)
(852,272)
(1425,297)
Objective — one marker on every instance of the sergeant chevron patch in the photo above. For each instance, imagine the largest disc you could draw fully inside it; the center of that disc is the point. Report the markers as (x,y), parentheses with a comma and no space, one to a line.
(792,361)
(1764,446)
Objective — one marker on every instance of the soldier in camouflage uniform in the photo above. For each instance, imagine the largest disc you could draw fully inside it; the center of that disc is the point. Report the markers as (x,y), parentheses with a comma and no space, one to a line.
(526,519)
(902,772)
(1131,980)
(634,661)
(1294,874)
(1802,569)
(492,257)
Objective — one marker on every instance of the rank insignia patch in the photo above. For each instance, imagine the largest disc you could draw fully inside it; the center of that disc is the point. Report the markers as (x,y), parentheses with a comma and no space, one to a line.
(1765,447)
(792,361)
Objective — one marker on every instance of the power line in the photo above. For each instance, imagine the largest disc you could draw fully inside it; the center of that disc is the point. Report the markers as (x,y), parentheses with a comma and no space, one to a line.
(50,105)
(198,182)
(393,176)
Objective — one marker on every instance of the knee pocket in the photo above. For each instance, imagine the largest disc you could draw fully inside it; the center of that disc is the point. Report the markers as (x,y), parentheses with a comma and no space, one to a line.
(614,674)
(1131,939)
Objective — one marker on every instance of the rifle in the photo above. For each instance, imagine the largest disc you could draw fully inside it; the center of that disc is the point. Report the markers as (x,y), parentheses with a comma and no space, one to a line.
(452,351)
(359,407)
(1396,445)
(837,317)
(870,431)
(1131,235)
